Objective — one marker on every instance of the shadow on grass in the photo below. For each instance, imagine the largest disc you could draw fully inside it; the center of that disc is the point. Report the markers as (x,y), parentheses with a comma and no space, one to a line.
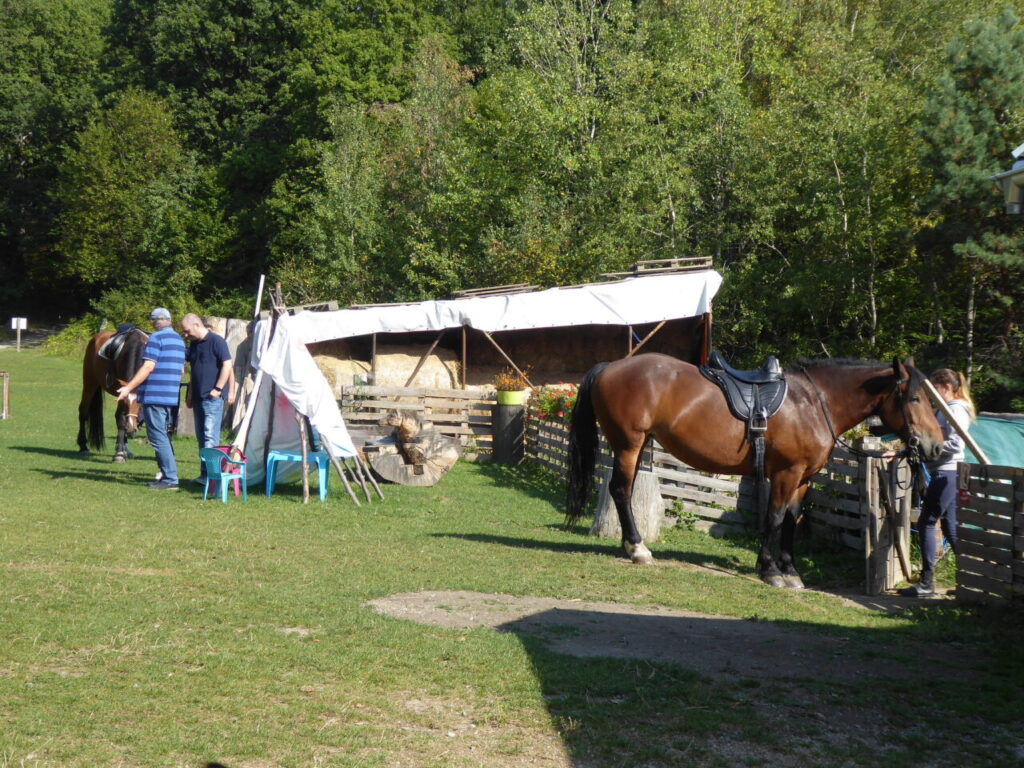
(103,477)
(606,547)
(64,454)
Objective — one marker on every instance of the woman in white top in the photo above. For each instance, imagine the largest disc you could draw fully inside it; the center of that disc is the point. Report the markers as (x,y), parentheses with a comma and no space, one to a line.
(939,504)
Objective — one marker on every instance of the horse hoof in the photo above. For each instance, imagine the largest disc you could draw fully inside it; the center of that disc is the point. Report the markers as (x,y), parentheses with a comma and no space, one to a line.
(774,580)
(84,452)
(792,581)
(639,553)
(119,459)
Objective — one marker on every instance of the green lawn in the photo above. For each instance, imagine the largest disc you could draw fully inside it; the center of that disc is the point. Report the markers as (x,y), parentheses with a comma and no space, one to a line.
(142,628)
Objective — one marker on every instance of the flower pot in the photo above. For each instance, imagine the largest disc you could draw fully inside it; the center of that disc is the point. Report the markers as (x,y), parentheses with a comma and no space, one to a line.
(516,397)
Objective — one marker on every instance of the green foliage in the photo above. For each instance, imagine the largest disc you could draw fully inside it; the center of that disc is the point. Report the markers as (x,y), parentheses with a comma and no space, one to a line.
(833,160)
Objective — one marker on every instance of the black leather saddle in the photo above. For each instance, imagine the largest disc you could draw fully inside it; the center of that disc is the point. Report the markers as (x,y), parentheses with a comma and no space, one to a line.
(753,396)
(112,347)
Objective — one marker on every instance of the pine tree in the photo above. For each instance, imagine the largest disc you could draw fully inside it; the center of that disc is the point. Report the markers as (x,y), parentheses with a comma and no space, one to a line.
(973,252)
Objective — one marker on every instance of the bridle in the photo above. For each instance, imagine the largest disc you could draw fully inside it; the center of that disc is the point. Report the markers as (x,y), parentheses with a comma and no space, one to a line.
(132,416)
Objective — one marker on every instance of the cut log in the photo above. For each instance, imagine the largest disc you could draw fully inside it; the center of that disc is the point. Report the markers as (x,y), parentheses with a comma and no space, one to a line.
(648,509)
(422,461)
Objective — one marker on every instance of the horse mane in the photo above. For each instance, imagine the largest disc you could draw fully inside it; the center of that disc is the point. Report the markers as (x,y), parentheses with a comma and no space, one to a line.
(802,363)
(132,357)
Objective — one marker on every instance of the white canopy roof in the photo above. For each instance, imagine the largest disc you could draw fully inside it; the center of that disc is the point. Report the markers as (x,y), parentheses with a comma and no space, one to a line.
(633,301)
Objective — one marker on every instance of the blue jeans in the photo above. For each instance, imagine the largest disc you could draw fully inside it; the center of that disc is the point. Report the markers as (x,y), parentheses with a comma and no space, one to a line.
(158,417)
(208,412)
(938,507)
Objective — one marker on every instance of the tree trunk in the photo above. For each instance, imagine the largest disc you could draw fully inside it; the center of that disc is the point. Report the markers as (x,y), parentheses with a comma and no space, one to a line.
(648,509)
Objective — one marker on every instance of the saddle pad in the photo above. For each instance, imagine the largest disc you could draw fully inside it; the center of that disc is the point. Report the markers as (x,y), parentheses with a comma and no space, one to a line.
(740,395)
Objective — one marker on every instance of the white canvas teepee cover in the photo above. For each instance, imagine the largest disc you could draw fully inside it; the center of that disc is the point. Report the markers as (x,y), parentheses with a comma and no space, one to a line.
(300,386)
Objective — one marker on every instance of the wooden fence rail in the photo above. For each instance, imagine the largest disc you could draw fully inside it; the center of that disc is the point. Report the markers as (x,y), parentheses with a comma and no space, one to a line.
(990,533)
(460,413)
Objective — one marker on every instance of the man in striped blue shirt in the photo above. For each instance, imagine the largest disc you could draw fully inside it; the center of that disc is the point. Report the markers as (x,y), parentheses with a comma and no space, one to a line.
(158,382)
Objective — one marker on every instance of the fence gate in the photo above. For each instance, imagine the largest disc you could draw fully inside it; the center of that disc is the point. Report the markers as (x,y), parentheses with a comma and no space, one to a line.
(990,533)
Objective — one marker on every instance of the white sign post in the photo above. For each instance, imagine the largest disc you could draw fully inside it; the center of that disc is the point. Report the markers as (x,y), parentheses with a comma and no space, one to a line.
(19,324)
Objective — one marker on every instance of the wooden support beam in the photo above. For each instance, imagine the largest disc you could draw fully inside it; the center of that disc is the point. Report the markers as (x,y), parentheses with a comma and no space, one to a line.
(423,359)
(507,358)
(464,357)
(647,338)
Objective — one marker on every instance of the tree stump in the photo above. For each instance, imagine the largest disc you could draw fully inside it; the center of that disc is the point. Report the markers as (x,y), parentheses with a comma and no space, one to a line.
(648,509)
(415,454)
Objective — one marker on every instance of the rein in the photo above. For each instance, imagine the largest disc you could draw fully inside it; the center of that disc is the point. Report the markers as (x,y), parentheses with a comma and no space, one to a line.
(911,444)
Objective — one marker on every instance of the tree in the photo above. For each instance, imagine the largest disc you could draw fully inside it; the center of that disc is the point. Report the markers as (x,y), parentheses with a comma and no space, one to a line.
(136,210)
(973,253)
(49,75)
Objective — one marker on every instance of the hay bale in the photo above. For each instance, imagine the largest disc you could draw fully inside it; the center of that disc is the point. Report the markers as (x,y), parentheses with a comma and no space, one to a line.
(396,363)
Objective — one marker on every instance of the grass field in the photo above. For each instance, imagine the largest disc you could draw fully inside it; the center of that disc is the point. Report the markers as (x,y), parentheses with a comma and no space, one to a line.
(142,628)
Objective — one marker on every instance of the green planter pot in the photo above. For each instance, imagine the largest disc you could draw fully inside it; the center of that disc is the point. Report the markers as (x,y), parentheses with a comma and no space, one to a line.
(517,397)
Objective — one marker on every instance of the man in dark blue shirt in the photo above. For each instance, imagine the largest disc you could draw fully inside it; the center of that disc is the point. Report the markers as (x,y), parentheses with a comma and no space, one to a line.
(158,381)
(210,359)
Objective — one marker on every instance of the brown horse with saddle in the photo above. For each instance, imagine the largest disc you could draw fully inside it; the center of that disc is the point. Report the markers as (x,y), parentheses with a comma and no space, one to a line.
(654,395)
(111,359)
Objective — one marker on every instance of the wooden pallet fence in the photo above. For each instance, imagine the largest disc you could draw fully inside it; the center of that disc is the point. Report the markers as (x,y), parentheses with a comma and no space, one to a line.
(990,533)
(461,413)
(834,504)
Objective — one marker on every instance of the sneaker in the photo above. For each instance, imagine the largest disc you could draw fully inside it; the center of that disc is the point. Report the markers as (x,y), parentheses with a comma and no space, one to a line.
(163,485)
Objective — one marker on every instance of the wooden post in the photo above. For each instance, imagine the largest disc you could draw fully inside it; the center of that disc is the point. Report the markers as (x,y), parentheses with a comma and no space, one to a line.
(508,431)
(341,472)
(305,456)
(464,357)
(5,413)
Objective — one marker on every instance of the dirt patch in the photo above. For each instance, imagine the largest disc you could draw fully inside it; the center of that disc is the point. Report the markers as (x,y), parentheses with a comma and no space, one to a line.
(712,645)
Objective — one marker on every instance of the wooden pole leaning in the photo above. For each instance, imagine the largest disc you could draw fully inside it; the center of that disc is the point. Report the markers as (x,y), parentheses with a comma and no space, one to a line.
(961,430)
(304,439)
(341,472)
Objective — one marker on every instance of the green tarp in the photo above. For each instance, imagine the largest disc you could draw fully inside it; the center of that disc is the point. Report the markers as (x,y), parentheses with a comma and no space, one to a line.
(1001,437)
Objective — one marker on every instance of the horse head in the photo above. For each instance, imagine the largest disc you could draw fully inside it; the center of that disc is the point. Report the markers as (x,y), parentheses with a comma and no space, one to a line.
(907,411)
(131,416)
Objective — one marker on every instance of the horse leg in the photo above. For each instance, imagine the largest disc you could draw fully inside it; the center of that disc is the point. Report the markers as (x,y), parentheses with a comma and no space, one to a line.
(620,486)
(84,412)
(786,557)
(778,530)
(120,450)
(767,569)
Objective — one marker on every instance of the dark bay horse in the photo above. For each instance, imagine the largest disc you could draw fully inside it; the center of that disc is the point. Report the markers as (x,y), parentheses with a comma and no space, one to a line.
(99,374)
(655,395)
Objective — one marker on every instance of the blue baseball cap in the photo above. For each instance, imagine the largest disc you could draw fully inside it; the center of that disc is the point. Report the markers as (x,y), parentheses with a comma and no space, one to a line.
(159,314)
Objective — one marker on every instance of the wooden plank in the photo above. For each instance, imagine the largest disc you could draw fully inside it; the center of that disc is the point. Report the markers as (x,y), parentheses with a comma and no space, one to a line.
(985,538)
(838,521)
(694,479)
(360,392)
(967,516)
(818,499)
(994,505)
(996,571)
(982,583)
(996,555)
(980,474)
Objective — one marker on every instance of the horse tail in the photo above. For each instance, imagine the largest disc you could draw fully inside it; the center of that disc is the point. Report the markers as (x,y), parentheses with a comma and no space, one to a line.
(582,448)
(95,420)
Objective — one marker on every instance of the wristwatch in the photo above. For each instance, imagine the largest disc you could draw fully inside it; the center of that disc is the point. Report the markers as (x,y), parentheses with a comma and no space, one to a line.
(216,389)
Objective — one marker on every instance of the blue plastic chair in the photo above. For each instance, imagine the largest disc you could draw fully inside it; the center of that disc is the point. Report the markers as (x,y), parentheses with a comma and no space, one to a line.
(320,458)
(219,467)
